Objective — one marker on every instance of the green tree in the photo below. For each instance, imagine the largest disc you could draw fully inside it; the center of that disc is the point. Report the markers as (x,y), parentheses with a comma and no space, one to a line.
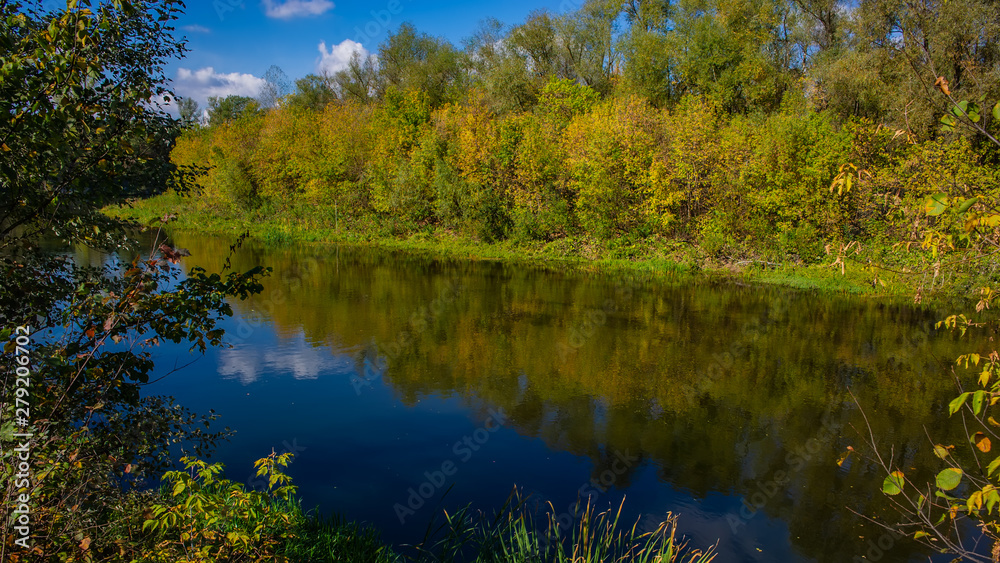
(733,51)
(587,39)
(189,110)
(897,50)
(80,131)
(312,92)
(649,65)
(221,110)
(409,60)
(276,87)
(507,66)
(357,82)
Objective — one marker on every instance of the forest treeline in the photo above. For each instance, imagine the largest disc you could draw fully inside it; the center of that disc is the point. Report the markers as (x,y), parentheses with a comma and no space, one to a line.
(751,128)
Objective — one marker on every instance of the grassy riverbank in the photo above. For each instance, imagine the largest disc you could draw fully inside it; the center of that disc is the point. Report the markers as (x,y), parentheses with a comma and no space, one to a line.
(237,524)
(655,257)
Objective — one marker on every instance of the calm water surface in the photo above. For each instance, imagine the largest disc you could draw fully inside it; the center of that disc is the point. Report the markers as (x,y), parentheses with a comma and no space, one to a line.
(394,378)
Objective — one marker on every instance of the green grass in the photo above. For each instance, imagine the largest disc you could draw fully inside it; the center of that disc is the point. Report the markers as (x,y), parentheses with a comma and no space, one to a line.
(512,536)
(657,258)
(278,529)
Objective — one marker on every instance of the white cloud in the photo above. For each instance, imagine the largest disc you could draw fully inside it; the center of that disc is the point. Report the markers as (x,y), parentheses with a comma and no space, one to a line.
(338,57)
(296,8)
(299,359)
(244,365)
(196,29)
(202,83)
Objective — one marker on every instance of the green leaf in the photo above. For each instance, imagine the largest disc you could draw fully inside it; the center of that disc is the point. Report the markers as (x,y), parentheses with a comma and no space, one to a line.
(948,123)
(939,494)
(977,401)
(957,403)
(936,204)
(973,113)
(996,111)
(949,478)
(992,497)
(7,431)
(967,204)
(893,484)
(940,451)
(993,466)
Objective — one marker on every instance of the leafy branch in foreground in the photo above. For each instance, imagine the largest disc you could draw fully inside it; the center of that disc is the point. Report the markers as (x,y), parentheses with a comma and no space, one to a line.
(81,127)
(962,505)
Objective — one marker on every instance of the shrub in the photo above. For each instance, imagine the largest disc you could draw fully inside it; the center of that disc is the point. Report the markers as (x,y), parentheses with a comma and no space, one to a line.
(616,166)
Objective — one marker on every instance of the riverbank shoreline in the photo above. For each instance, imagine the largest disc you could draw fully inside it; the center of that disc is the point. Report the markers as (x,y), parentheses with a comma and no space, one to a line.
(671,261)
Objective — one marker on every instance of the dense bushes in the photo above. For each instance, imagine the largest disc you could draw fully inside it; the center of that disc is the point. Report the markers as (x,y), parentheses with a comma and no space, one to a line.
(614,170)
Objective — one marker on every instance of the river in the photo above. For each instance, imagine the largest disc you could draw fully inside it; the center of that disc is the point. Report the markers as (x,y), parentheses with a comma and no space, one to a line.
(405,385)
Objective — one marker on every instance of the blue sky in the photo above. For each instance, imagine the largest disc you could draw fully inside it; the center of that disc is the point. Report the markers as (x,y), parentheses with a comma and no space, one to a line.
(233,42)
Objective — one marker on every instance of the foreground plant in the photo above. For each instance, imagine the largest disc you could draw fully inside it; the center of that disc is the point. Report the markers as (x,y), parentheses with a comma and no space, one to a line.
(202,517)
(512,536)
(81,128)
(962,505)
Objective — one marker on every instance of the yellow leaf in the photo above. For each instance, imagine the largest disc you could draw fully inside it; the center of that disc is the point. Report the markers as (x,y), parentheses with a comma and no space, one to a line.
(975,501)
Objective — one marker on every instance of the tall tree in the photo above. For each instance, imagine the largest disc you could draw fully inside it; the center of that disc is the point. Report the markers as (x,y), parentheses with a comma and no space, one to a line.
(512,65)
(81,130)
(649,66)
(276,87)
(312,92)
(411,60)
(587,40)
(221,110)
(358,81)
(734,51)
(898,49)
(189,110)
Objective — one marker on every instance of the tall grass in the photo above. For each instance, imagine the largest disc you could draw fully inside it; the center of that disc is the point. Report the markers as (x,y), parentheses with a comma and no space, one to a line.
(511,535)
(278,529)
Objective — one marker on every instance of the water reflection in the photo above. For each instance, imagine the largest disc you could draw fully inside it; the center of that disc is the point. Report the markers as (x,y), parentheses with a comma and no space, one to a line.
(726,403)
(295,357)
